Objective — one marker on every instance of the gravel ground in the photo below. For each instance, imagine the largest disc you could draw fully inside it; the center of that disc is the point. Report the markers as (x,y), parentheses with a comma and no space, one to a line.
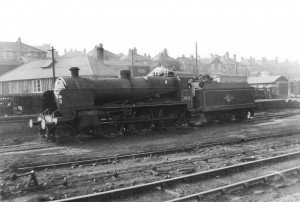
(167,165)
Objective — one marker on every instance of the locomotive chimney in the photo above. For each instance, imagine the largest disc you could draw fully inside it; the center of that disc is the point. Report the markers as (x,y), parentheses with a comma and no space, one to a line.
(100,52)
(74,72)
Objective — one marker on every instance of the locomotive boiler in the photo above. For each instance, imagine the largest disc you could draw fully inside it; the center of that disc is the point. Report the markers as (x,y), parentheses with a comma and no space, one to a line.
(109,107)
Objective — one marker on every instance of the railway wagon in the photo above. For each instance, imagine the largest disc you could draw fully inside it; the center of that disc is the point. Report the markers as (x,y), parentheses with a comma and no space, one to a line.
(113,106)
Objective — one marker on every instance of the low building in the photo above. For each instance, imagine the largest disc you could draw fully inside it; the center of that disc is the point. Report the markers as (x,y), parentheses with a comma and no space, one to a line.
(35,77)
(277,86)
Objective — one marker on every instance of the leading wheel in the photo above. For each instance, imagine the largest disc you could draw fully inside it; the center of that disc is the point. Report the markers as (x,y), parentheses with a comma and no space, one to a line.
(109,130)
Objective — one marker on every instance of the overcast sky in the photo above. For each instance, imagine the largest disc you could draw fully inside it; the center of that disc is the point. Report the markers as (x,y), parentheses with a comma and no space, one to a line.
(255,28)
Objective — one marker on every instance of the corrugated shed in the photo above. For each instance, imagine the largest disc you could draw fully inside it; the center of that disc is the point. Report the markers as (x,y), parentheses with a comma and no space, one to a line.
(266,79)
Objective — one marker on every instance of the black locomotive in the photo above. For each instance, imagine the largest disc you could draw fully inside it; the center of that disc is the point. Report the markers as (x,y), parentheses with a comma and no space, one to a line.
(108,107)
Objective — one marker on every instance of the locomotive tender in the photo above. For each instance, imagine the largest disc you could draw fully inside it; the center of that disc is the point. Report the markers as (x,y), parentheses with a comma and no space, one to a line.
(108,107)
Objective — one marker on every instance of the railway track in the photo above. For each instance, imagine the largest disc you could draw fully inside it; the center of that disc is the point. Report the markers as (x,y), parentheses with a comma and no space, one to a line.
(24,147)
(153,153)
(292,172)
(167,167)
(163,184)
(269,116)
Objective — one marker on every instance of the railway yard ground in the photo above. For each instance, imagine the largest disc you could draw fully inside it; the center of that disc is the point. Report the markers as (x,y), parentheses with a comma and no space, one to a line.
(106,168)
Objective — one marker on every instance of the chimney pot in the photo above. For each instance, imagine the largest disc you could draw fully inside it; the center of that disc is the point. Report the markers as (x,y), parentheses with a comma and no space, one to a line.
(100,52)
(227,55)
(19,41)
(74,72)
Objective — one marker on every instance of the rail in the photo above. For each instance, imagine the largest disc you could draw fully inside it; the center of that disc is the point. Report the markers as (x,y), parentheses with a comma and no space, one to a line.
(184,178)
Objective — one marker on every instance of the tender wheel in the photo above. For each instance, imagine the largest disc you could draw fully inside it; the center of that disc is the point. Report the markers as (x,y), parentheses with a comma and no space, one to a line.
(240,116)
(227,117)
(145,124)
(110,131)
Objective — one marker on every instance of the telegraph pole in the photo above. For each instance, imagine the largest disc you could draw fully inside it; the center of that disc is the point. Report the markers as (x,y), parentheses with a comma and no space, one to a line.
(132,62)
(196,70)
(236,67)
(53,65)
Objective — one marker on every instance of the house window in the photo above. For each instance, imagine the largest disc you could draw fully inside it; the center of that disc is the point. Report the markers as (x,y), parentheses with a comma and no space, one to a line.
(37,86)
(8,55)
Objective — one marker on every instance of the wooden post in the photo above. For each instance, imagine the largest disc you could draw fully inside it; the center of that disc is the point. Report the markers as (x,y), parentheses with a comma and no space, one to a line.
(196,70)
(132,62)
(53,65)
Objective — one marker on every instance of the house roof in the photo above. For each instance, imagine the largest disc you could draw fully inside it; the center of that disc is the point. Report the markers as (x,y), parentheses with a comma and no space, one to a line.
(167,57)
(118,65)
(43,69)
(266,79)
(249,63)
(137,57)
(93,53)
(228,61)
(15,47)
(9,62)
(25,59)
(72,54)
(206,60)
(259,62)
(185,60)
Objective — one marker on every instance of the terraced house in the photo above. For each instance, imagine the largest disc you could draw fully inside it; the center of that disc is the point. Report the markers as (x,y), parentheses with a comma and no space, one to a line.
(11,54)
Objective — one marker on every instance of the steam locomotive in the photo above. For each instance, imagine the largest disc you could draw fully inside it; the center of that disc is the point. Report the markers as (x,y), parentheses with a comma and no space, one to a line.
(109,107)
